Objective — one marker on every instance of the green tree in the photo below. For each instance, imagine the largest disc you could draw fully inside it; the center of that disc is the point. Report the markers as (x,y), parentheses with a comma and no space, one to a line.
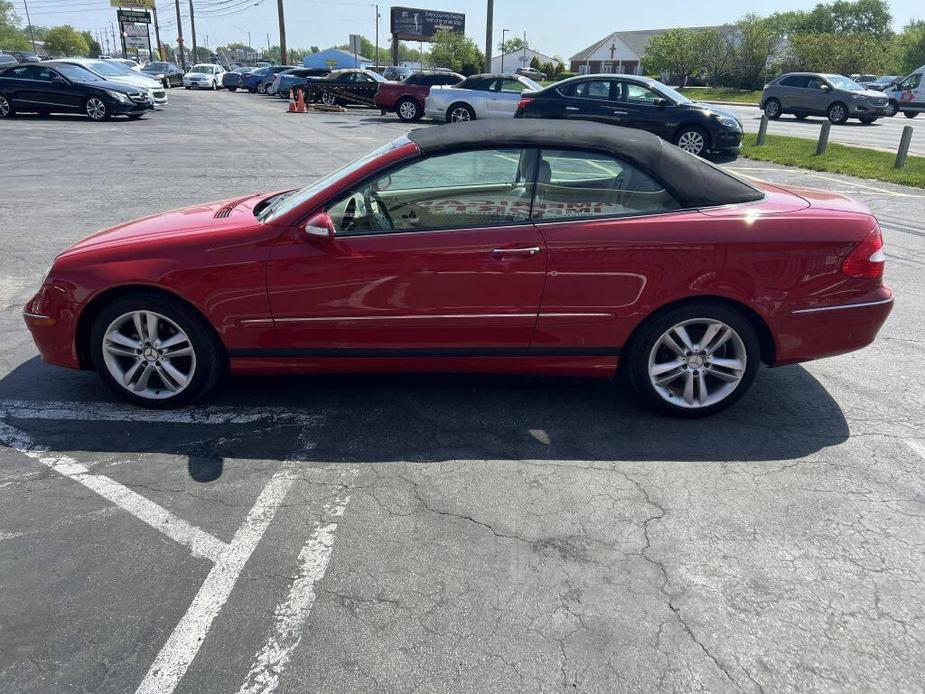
(757,40)
(515,43)
(675,52)
(840,53)
(716,48)
(11,36)
(314,49)
(65,40)
(910,47)
(93,44)
(457,52)
(838,17)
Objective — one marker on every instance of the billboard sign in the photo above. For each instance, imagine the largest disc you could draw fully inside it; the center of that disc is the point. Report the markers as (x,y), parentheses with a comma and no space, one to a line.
(411,24)
(138,4)
(134,16)
(135,31)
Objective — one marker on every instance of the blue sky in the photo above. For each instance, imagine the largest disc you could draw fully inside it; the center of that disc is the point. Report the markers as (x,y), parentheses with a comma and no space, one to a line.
(554,28)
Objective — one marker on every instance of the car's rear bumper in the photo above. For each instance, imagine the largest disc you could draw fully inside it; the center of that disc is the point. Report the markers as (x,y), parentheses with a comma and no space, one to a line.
(815,332)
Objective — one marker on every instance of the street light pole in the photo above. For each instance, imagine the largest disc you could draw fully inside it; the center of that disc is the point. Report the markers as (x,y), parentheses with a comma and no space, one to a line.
(503,32)
(29,22)
(192,29)
(377,34)
(282,33)
(180,36)
(489,16)
(157,35)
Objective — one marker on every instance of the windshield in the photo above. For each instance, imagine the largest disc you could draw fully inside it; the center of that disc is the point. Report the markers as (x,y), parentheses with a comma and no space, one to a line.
(76,73)
(285,203)
(842,82)
(531,85)
(672,94)
(155,67)
(108,69)
(206,69)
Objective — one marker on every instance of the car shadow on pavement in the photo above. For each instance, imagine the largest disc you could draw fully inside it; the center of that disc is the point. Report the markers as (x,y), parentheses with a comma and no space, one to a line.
(787,415)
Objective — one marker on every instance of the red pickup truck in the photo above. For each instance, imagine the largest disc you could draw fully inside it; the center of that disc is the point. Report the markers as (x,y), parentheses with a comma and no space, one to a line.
(406,98)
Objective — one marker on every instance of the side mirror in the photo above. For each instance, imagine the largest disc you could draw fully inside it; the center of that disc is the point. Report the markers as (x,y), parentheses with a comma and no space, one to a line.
(660,102)
(825,88)
(321,226)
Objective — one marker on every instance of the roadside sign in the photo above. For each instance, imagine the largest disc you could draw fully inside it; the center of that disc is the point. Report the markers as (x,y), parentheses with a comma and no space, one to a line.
(138,4)
(133,16)
(412,24)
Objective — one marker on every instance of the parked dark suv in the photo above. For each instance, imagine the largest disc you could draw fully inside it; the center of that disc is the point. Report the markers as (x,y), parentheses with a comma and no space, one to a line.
(815,94)
(637,102)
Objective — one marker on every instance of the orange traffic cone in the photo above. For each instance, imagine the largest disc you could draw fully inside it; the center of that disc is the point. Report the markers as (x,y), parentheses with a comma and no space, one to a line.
(292,104)
(300,103)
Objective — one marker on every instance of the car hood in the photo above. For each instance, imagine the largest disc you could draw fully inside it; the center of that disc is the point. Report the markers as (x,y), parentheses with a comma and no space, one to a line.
(869,93)
(140,82)
(712,108)
(166,226)
(198,74)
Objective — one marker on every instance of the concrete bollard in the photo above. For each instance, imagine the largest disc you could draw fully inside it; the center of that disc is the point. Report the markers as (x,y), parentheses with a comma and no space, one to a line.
(762,131)
(823,138)
(903,150)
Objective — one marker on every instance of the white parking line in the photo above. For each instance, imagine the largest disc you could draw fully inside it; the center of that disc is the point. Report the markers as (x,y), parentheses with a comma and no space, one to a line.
(200,543)
(917,447)
(123,412)
(181,648)
(292,613)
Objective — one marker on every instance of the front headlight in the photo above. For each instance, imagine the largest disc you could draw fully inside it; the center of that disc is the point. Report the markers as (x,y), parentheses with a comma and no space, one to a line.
(119,96)
(729,122)
(858,97)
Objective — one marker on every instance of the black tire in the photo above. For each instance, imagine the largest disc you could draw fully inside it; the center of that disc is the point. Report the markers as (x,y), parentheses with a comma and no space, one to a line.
(868,120)
(185,87)
(214,86)
(910,114)
(209,353)
(692,139)
(6,108)
(772,109)
(96,109)
(837,113)
(232,89)
(800,116)
(459,113)
(408,110)
(636,361)
(135,116)
(252,90)
(261,88)
(892,108)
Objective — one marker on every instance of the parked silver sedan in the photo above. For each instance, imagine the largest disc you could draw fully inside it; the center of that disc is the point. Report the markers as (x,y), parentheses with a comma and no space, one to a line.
(479,96)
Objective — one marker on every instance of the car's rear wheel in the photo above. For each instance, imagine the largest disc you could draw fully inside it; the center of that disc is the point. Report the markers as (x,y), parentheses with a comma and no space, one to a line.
(232,89)
(800,116)
(867,120)
(694,360)
(328,98)
(96,108)
(691,139)
(408,110)
(460,113)
(772,109)
(154,351)
(837,113)
(910,114)
(261,88)
(6,108)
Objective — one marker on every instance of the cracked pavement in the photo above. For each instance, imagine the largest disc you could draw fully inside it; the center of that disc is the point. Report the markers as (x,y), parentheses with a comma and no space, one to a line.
(503,534)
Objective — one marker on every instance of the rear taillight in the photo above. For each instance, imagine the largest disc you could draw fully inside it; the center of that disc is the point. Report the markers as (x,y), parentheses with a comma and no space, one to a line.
(523,103)
(866,260)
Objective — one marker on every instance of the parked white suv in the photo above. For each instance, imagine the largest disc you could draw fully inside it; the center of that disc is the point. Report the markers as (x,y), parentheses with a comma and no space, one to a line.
(204,76)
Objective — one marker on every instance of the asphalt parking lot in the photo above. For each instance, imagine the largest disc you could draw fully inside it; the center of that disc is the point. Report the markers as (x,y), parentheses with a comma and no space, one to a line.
(439,533)
(883,134)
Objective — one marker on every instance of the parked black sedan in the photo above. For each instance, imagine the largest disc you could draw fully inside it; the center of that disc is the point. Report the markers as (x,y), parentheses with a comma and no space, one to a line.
(170,74)
(351,86)
(68,88)
(637,102)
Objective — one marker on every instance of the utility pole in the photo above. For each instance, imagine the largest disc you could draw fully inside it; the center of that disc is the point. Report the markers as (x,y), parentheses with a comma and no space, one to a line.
(29,22)
(283,56)
(377,33)
(157,34)
(192,30)
(503,32)
(488,19)
(180,36)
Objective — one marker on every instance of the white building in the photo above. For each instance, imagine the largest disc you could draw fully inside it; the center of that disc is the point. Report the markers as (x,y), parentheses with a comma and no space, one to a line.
(508,62)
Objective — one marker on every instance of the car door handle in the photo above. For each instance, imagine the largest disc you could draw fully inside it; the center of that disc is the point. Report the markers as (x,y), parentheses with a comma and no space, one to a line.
(531,250)
(572,108)
(620,113)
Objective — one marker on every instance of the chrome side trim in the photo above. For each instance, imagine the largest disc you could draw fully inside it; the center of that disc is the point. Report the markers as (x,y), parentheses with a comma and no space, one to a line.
(444,316)
(841,306)
(26,314)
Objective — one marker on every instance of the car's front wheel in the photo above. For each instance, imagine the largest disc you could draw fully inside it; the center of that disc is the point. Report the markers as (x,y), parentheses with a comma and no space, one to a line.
(460,113)
(772,109)
(154,351)
(892,108)
(694,360)
(867,120)
(693,140)
(232,89)
(96,108)
(328,98)
(910,114)
(408,110)
(837,113)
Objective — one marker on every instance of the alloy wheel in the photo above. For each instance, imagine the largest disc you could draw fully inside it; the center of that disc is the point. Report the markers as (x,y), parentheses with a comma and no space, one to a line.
(838,114)
(890,110)
(4,107)
(327,98)
(697,363)
(408,110)
(772,109)
(460,114)
(96,109)
(149,355)
(691,141)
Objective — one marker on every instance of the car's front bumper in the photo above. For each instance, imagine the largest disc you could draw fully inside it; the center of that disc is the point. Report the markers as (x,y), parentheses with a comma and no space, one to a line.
(858,109)
(726,139)
(52,319)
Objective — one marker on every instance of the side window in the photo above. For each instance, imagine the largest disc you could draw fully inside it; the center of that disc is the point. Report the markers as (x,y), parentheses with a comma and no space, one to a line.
(592,89)
(21,73)
(512,86)
(573,184)
(815,83)
(637,94)
(794,81)
(463,189)
(912,82)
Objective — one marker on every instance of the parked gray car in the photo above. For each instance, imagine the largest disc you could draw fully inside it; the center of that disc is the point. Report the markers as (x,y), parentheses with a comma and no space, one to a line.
(815,94)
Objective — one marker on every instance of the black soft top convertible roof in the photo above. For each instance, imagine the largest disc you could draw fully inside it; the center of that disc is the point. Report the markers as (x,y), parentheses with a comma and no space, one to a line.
(693,181)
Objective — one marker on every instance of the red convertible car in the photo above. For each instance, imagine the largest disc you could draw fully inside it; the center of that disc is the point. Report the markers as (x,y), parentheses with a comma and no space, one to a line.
(542,247)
